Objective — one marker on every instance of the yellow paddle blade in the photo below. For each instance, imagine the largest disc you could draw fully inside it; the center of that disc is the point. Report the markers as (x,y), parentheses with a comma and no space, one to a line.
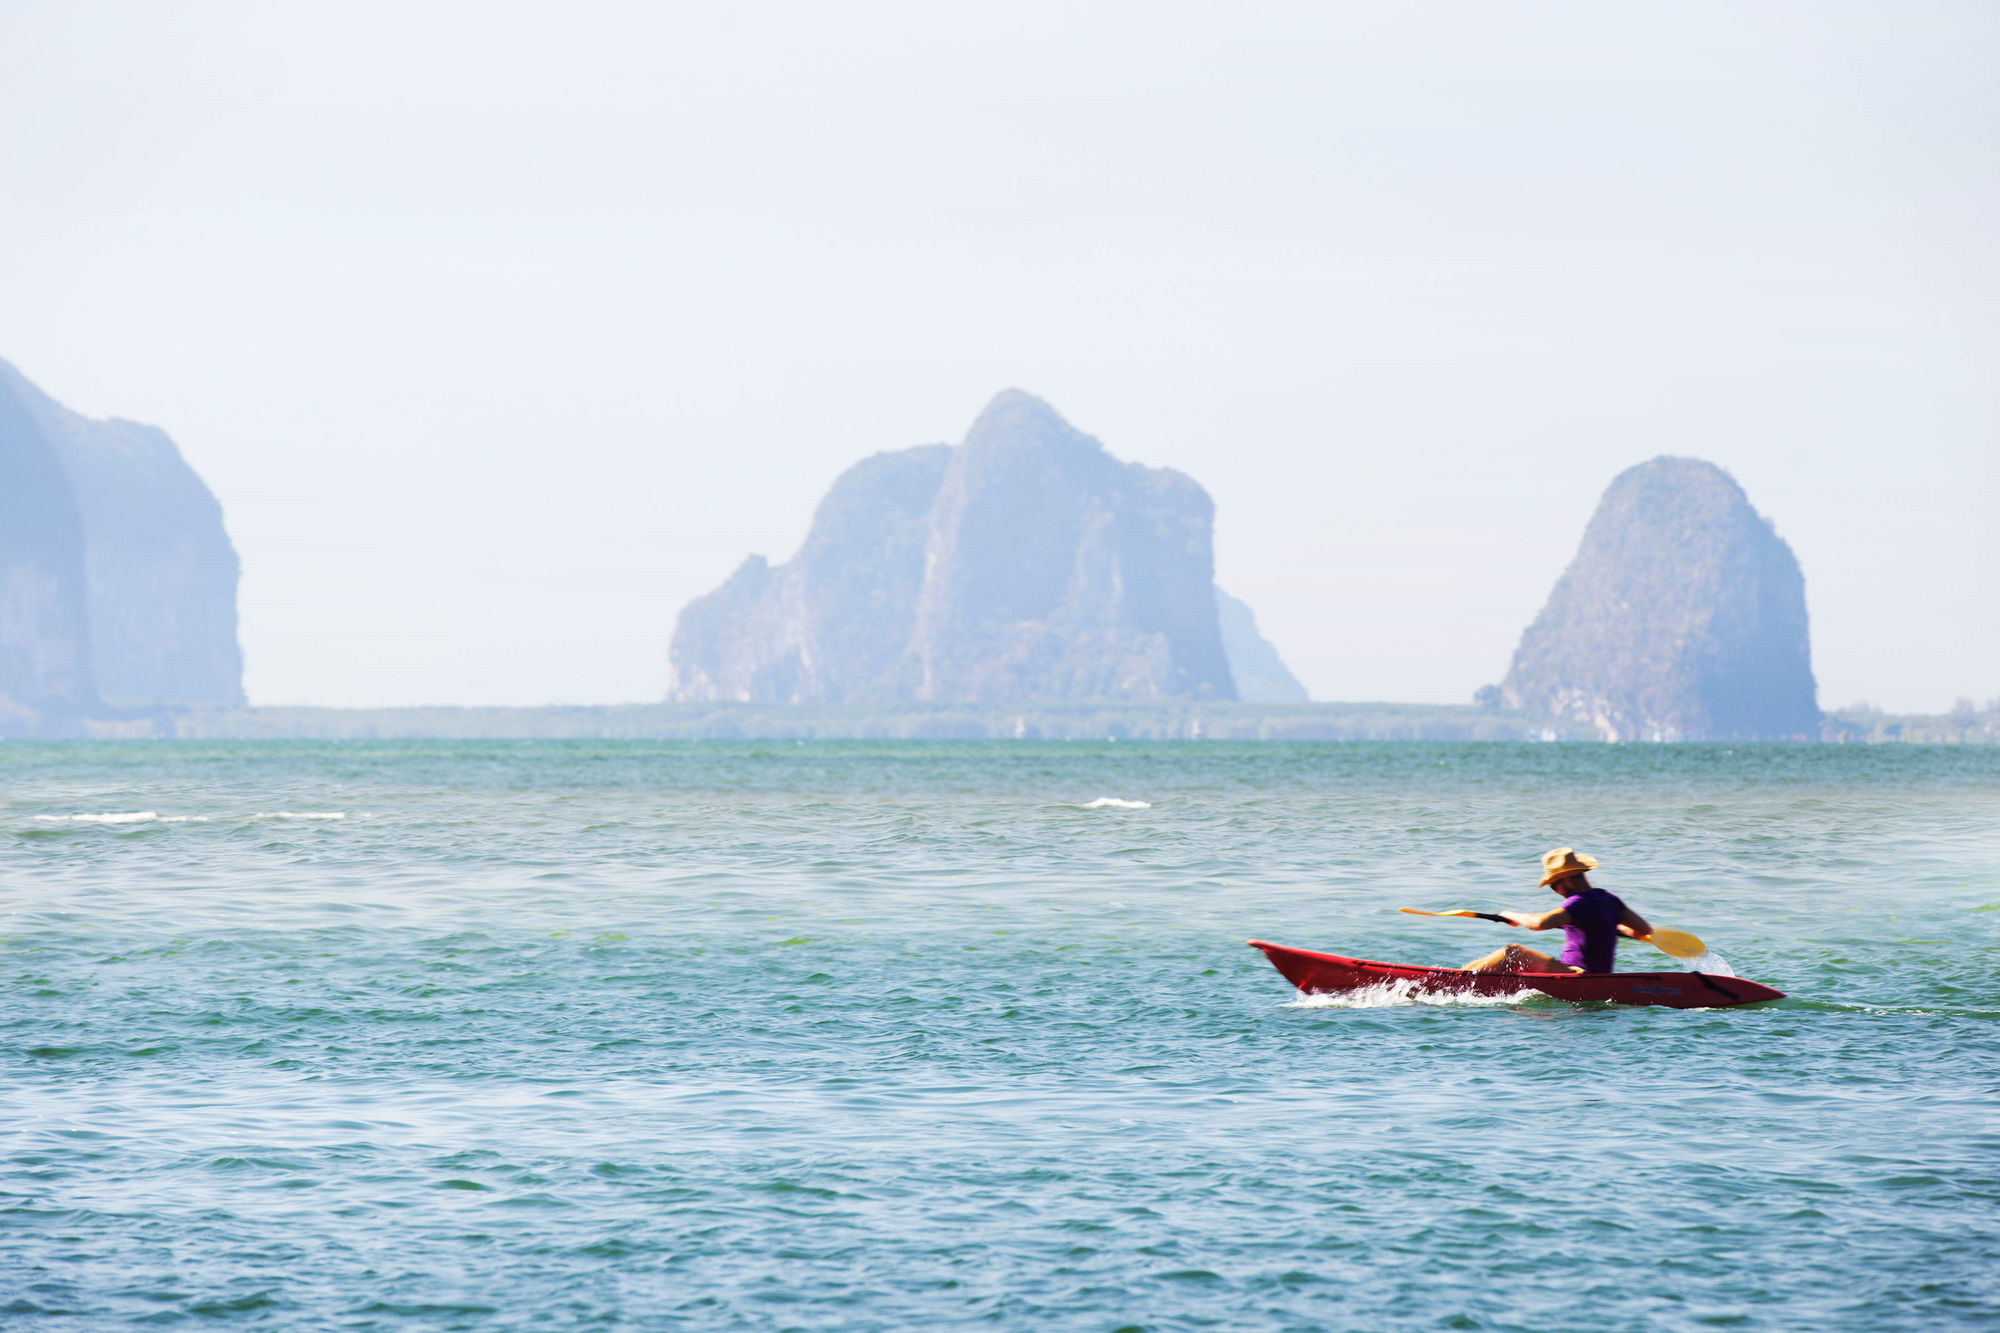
(1677,944)
(1461,911)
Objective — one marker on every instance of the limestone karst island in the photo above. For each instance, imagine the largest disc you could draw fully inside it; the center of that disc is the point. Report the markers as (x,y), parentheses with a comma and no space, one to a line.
(1683,617)
(1026,564)
(117,579)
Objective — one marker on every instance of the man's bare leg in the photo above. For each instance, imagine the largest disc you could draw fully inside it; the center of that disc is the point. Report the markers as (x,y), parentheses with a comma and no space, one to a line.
(1517,958)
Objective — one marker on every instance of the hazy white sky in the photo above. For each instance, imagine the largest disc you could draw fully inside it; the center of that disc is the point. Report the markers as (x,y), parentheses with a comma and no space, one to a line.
(503,330)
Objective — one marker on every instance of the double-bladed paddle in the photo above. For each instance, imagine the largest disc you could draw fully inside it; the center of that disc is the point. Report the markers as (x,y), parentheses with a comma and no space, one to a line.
(1673,943)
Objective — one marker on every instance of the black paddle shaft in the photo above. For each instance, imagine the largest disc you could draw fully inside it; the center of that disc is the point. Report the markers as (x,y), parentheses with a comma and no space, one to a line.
(1493,916)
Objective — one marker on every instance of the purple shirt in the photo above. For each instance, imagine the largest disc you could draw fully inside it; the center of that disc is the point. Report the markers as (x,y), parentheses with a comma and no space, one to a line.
(1590,940)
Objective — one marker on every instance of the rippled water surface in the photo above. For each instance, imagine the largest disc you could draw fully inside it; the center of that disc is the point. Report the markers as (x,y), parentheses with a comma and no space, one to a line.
(429,1036)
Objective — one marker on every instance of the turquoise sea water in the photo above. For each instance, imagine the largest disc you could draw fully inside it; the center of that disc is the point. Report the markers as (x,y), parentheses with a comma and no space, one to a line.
(909,1035)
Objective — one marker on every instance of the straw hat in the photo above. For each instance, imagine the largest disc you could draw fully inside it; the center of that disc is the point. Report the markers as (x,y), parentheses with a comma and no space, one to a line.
(1563,862)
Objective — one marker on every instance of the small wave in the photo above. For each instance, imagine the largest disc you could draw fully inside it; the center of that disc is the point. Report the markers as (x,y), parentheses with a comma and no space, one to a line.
(1115,803)
(155,817)
(119,817)
(1399,992)
(123,817)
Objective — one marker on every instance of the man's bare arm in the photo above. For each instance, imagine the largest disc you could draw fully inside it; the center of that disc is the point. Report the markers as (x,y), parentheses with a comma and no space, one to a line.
(1632,925)
(1538,920)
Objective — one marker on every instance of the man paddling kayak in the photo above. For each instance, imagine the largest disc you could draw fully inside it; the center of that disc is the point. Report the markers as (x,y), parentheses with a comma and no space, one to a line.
(1591,918)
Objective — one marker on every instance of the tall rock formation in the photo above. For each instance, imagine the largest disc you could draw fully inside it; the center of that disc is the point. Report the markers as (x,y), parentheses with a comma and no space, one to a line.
(1026,564)
(1683,616)
(45,662)
(1261,675)
(160,572)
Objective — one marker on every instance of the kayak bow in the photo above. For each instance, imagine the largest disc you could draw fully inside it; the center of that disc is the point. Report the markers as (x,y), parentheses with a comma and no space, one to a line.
(1324,973)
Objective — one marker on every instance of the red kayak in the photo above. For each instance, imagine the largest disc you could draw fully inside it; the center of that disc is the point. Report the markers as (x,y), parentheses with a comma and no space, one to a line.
(1326,973)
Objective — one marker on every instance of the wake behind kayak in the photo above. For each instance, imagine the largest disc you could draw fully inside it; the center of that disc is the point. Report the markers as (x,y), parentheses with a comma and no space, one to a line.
(1331,973)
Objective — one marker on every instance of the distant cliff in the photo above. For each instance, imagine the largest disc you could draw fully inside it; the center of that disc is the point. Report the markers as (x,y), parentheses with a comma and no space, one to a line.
(1683,616)
(1026,564)
(45,666)
(1261,675)
(159,574)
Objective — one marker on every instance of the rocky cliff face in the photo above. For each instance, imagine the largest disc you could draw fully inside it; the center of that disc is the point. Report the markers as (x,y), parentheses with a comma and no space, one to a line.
(1683,616)
(833,623)
(45,662)
(160,573)
(1025,564)
(1261,675)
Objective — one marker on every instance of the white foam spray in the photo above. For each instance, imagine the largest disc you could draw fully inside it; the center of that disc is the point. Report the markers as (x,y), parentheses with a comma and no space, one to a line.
(1402,991)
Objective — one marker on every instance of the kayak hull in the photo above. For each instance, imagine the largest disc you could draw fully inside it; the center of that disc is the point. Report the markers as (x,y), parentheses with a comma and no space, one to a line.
(1330,973)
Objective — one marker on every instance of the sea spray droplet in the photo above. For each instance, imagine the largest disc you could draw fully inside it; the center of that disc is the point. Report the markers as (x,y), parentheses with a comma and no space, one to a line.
(1712,963)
